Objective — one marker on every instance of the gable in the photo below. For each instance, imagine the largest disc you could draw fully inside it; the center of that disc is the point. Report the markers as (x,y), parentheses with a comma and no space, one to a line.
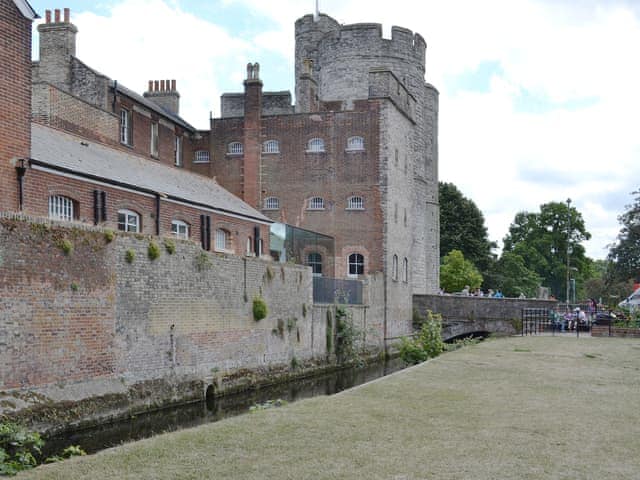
(26,9)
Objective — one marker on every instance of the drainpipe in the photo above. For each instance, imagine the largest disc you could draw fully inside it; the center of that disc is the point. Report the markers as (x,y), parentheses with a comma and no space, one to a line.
(21,170)
(157,214)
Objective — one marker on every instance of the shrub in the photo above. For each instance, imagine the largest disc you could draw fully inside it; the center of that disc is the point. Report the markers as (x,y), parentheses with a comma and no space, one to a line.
(259,308)
(18,448)
(427,344)
(347,335)
(129,255)
(170,246)
(66,246)
(153,251)
(109,236)
(202,261)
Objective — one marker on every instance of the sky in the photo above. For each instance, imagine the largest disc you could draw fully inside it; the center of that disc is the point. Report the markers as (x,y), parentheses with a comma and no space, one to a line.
(539,99)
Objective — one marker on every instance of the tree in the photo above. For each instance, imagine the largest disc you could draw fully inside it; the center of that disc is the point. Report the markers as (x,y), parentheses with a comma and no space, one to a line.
(625,253)
(457,273)
(462,227)
(543,240)
(512,276)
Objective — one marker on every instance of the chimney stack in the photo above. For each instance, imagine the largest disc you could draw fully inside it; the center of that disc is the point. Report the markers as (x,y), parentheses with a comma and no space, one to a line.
(57,47)
(164,94)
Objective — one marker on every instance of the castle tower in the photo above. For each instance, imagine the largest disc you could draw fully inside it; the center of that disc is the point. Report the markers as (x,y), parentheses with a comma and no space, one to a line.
(57,47)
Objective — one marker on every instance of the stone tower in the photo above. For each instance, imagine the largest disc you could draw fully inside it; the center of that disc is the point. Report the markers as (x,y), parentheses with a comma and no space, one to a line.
(345,63)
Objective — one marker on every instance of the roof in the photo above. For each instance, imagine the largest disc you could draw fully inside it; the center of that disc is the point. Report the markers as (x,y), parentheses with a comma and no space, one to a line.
(26,9)
(74,155)
(152,105)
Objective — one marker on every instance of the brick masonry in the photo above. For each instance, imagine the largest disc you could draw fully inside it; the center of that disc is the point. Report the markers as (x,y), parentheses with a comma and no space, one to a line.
(605,331)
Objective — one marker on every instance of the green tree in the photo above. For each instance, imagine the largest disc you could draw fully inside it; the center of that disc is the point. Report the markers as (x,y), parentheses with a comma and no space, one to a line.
(513,278)
(457,273)
(543,240)
(624,255)
(462,227)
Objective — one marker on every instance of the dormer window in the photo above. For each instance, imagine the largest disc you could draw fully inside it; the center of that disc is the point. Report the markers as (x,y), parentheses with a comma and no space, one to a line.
(355,144)
(235,148)
(271,146)
(316,203)
(315,145)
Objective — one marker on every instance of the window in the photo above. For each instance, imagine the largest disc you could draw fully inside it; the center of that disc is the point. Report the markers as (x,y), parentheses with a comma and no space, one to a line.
(271,203)
(235,148)
(315,145)
(355,203)
(316,203)
(356,264)
(249,246)
(355,144)
(394,268)
(223,240)
(61,208)
(271,146)
(180,229)
(153,148)
(201,156)
(314,260)
(397,157)
(178,152)
(128,221)
(125,127)
(405,270)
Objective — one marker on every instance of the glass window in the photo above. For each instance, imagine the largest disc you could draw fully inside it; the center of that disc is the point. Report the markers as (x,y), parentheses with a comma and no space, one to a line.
(315,145)
(223,238)
(356,264)
(271,146)
(355,143)
(125,127)
(314,260)
(405,270)
(128,221)
(201,156)
(180,229)
(235,148)
(61,208)
(249,245)
(153,148)
(271,203)
(178,152)
(394,268)
(316,203)
(355,203)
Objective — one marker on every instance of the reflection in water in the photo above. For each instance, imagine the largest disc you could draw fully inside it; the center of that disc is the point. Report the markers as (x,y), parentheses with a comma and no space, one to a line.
(215,408)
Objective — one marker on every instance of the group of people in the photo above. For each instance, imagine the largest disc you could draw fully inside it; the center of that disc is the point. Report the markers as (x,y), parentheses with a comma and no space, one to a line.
(573,319)
(466,292)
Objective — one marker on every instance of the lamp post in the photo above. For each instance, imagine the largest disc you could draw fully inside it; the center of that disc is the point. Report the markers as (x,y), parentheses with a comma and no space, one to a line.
(568,248)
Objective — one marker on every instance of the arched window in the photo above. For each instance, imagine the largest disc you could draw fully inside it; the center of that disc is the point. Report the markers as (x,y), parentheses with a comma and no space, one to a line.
(314,260)
(180,229)
(316,203)
(235,148)
(355,144)
(61,208)
(223,240)
(405,270)
(355,203)
(315,145)
(271,146)
(128,221)
(394,268)
(271,203)
(356,265)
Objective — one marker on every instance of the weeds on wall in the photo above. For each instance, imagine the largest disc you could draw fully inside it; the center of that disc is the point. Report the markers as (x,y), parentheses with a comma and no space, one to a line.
(153,250)
(169,246)
(291,324)
(259,309)
(109,235)
(269,274)
(202,262)
(427,344)
(347,335)
(329,332)
(129,255)
(66,246)
(304,310)
(74,287)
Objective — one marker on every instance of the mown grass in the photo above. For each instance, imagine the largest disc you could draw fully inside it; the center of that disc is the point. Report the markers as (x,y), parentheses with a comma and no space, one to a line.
(515,408)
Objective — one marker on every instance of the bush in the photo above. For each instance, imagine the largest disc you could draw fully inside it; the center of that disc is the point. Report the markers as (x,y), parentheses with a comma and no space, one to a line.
(259,308)
(170,246)
(129,255)
(18,448)
(427,344)
(66,246)
(153,250)
(109,236)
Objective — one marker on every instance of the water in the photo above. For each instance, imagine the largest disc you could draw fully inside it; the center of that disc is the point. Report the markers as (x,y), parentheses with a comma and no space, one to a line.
(213,409)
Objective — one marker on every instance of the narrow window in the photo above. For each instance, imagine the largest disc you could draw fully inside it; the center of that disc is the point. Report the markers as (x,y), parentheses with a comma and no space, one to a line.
(249,250)
(355,144)
(271,203)
(178,152)
(201,156)
(394,268)
(61,208)
(405,270)
(154,140)
(314,260)
(397,156)
(271,146)
(235,148)
(125,127)
(180,229)
(315,145)
(356,265)
(223,238)
(128,221)
(355,203)
(316,203)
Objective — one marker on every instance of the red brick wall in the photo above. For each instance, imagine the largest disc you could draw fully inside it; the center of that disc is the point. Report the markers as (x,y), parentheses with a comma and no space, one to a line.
(15,99)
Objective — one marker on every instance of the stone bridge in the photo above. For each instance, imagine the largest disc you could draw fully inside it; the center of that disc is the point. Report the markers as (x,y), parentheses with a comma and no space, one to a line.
(463,316)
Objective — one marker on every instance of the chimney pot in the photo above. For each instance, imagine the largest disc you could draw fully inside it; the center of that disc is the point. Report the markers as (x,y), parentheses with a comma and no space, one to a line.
(150,86)
(168,84)
(67,14)
(156,86)
(47,16)
(57,15)
(173,85)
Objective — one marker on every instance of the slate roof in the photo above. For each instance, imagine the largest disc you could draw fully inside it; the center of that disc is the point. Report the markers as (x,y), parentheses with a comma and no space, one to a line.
(71,154)
(26,9)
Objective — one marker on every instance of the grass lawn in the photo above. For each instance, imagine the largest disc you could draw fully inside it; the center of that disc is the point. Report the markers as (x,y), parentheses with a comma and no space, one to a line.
(513,408)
